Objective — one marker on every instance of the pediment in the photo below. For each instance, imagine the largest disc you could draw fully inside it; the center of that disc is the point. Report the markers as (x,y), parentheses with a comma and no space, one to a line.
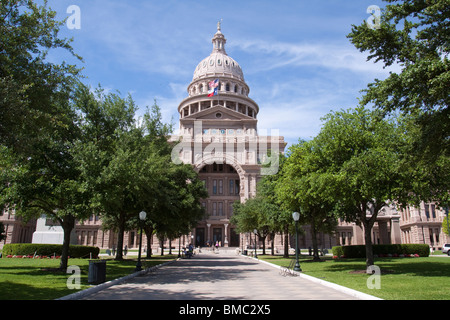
(218,112)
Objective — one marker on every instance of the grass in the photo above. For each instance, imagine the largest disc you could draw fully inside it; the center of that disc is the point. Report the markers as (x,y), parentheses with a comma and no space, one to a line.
(401,278)
(35,279)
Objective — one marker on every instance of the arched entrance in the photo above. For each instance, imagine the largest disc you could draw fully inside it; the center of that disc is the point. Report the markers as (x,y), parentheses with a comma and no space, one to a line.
(223,183)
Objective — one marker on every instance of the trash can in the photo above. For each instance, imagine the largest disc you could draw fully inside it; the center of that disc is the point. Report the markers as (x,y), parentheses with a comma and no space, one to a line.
(245,252)
(97,271)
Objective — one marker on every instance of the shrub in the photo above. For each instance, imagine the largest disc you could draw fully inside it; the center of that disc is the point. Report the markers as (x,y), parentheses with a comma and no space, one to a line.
(394,250)
(30,249)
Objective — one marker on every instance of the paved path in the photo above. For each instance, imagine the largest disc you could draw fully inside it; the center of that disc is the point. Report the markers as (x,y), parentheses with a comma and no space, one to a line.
(223,276)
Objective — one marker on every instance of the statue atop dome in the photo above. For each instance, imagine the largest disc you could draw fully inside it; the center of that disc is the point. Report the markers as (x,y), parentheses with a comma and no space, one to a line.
(219,25)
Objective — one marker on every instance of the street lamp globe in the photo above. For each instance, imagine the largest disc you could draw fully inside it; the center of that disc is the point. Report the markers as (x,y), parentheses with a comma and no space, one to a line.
(142,215)
(296,216)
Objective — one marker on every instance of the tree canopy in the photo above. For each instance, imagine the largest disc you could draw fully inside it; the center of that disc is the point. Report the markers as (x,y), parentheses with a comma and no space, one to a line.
(415,35)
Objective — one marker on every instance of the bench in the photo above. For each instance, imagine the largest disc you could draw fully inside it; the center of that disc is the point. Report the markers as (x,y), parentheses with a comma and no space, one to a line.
(289,270)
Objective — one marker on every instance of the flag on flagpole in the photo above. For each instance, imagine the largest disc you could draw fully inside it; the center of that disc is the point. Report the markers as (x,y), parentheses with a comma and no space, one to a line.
(213,88)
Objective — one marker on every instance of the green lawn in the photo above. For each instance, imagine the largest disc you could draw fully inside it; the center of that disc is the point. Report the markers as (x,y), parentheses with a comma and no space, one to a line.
(34,279)
(401,278)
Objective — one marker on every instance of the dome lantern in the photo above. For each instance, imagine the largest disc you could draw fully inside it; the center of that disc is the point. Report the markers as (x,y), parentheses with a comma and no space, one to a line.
(218,63)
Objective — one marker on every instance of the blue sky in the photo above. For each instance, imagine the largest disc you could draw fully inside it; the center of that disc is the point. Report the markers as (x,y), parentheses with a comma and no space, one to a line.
(295,55)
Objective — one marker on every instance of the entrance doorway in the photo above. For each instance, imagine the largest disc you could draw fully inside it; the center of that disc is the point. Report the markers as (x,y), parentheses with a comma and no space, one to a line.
(217,236)
(200,237)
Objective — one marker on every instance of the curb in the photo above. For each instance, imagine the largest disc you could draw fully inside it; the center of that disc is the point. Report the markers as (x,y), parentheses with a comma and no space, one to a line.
(97,288)
(348,291)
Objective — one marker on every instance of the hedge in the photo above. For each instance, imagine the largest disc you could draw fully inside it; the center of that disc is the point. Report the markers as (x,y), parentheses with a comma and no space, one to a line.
(359,251)
(30,249)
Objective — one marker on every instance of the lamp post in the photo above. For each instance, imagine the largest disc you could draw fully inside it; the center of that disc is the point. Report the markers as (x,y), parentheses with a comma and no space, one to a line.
(255,232)
(179,247)
(142,216)
(296,217)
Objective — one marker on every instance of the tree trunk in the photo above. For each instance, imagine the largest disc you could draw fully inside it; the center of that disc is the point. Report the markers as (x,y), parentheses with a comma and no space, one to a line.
(149,232)
(368,242)
(286,242)
(67,223)
(264,244)
(119,254)
(272,248)
(161,244)
(314,242)
(368,226)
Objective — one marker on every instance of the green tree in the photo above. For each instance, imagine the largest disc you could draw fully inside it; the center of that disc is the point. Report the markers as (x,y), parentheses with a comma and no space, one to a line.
(47,181)
(364,158)
(305,187)
(37,124)
(263,213)
(126,165)
(278,217)
(415,35)
(107,154)
(29,83)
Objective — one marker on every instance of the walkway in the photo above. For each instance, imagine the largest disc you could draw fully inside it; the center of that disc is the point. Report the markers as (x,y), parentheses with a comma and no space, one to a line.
(222,276)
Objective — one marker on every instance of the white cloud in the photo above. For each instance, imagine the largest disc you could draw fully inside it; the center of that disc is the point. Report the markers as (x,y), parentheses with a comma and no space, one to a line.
(274,55)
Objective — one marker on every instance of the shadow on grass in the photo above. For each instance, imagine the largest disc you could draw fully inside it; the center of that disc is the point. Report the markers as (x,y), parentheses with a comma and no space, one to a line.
(39,280)
(19,291)
(409,266)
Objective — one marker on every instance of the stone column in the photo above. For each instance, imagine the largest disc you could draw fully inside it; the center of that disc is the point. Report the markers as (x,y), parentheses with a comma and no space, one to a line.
(382,229)
(226,234)
(395,231)
(209,232)
(358,234)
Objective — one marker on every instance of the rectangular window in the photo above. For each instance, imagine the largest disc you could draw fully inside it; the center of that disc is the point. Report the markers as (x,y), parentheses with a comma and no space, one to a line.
(427,211)
(433,210)
(214,186)
(236,187)
(214,213)
(220,209)
(220,186)
(231,186)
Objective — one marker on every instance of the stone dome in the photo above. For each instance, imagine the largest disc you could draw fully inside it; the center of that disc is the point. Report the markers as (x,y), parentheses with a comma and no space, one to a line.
(218,63)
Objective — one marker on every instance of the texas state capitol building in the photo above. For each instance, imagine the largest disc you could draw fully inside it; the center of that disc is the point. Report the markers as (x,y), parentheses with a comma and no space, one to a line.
(218,130)
(218,135)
